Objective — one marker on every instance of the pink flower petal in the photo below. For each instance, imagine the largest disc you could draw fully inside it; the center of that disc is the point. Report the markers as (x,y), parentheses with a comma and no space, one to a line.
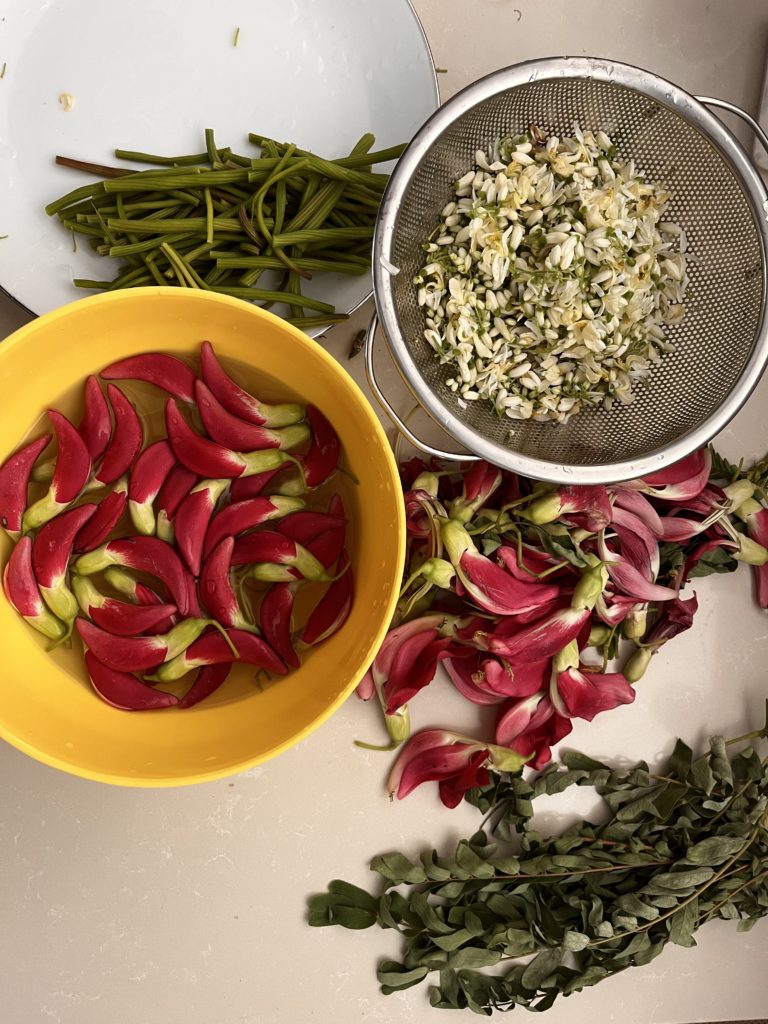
(366,688)
(630,529)
(585,694)
(463,674)
(611,610)
(678,528)
(539,742)
(638,505)
(534,562)
(432,765)
(383,660)
(413,667)
(757,526)
(495,590)
(474,774)
(586,506)
(674,618)
(760,574)
(686,479)
(480,482)
(419,743)
(520,716)
(542,639)
(517,681)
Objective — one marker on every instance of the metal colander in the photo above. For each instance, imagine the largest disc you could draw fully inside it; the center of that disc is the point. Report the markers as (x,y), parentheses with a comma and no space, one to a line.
(718,199)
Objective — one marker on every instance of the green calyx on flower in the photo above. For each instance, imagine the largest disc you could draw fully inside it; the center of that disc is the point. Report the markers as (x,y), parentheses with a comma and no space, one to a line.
(439,572)
(428,482)
(566,658)
(590,587)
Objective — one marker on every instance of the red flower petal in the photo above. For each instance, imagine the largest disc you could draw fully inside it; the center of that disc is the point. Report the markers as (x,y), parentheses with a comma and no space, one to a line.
(586,694)
(452,789)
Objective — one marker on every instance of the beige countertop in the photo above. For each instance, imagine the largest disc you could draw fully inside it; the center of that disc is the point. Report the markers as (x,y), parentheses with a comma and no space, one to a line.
(187,906)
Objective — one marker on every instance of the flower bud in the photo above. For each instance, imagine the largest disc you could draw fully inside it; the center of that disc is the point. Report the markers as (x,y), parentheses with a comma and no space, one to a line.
(637,663)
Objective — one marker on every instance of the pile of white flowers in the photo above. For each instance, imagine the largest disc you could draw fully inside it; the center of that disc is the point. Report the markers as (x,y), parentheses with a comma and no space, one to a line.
(552,276)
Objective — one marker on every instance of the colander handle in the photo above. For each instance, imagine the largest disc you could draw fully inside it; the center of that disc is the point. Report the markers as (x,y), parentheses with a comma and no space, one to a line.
(370,373)
(709,101)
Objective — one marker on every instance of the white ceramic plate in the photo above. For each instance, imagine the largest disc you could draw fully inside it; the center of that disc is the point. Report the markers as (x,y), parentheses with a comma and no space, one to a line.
(151,75)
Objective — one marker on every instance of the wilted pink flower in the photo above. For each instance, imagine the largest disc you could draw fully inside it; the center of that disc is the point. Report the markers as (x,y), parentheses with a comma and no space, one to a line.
(418,513)
(470,680)
(534,562)
(477,487)
(484,679)
(636,503)
(540,640)
(674,618)
(532,727)
(458,763)
(756,518)
(579,693)
(491,588)
(632,571)
(685,479)
(587,507)
(408,659)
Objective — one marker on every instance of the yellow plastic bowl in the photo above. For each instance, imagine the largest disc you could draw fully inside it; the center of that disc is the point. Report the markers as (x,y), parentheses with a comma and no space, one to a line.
(47,708)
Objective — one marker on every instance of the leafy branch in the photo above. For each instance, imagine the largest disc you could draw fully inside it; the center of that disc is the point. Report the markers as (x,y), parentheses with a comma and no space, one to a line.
(679,848)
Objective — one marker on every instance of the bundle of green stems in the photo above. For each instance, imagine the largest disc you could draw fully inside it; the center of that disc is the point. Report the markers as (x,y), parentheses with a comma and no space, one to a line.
(217,220)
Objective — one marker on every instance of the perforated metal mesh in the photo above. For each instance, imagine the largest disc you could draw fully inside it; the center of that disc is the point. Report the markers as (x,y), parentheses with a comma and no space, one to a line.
(724,300)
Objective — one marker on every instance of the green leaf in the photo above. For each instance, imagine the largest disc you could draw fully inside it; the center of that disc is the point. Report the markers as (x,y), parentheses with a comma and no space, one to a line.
(682,925)
(353,895)
(714,850)
(395,867)
(638,945)
(680,762)
(701,775)
(471,957)
(434,871)
(471,863)
(676,881)
(590,976)
(574,942)
(452,941)
(489,543)
(319,911)
(352,917)
(506,865)
(518,942)
(575,761)
(630,904)
(722,469)
(541,967)
(473,924)
(717,560)
(746,924)
(394,977)
(426,912)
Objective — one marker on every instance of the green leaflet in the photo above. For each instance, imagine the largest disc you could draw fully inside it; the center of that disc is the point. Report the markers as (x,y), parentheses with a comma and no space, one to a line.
(677,849)
(682,925)
(715,850)
(396,868)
